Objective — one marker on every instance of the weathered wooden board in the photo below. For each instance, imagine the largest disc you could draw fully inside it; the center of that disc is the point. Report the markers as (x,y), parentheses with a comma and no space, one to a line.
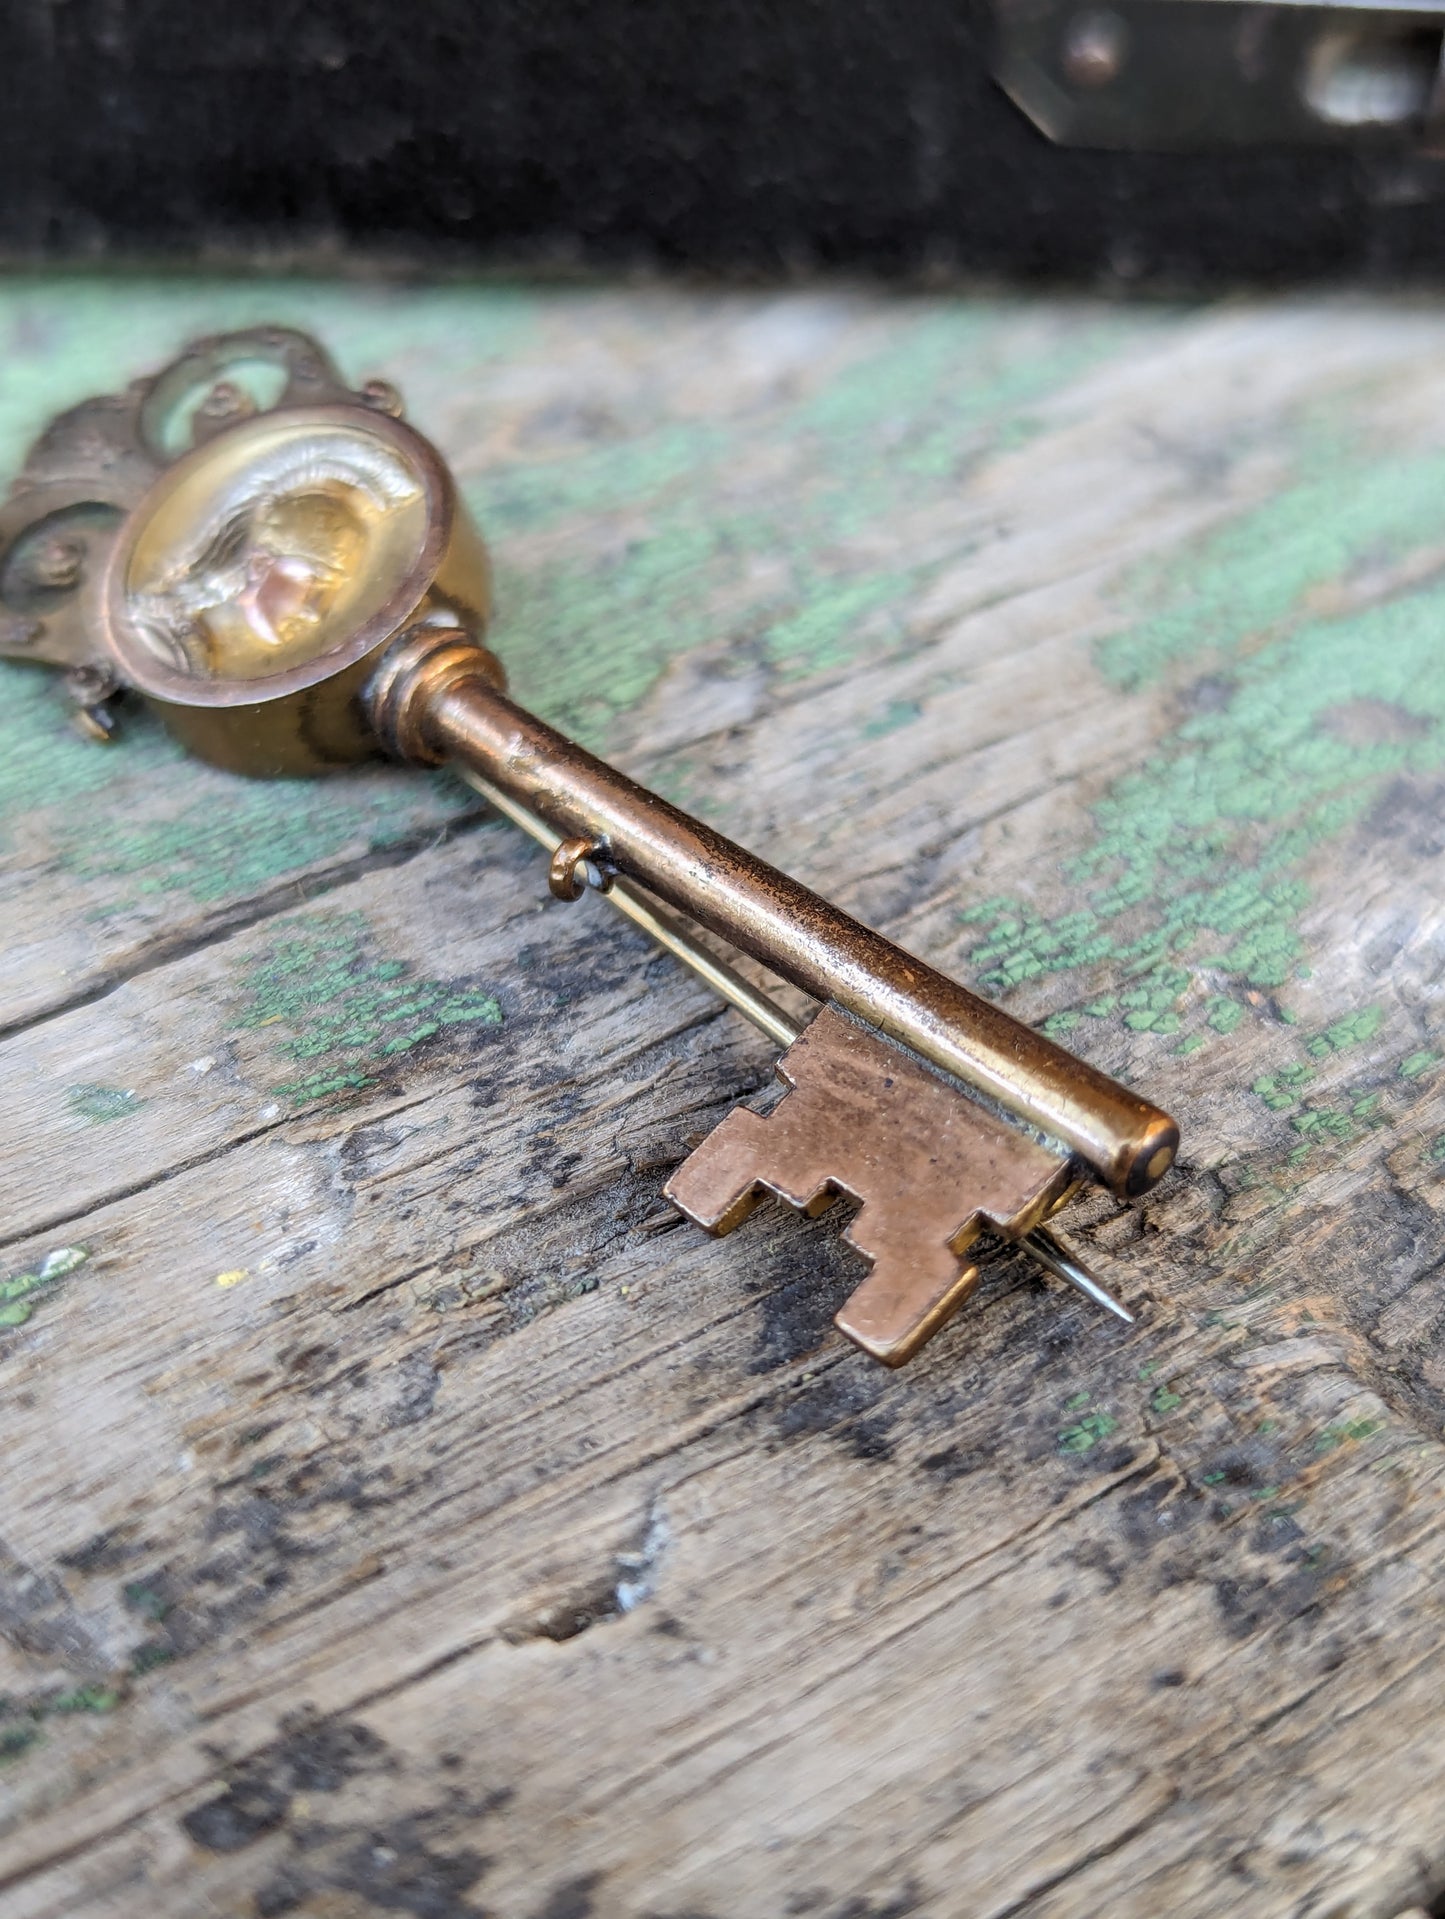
(405,1512)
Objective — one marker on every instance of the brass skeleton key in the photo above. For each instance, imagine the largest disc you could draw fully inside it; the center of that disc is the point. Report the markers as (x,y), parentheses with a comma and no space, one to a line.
(297,587)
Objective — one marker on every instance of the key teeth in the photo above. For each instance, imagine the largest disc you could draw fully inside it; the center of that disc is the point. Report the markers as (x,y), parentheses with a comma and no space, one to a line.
(883,1316)
(727,1177)
(910,1291)
(927,1165)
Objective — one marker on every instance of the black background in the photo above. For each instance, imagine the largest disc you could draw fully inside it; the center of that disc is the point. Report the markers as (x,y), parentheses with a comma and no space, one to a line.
(731,135)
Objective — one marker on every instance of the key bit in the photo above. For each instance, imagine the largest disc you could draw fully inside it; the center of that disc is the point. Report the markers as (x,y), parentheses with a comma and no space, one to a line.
(930,1171)
(295,586)
(770,1018)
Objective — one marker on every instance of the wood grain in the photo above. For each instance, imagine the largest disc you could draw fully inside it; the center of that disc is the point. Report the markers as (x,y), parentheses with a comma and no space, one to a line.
(406,1512)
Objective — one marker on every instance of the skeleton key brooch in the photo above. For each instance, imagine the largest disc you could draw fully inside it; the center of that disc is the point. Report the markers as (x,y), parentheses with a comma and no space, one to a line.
(295,586)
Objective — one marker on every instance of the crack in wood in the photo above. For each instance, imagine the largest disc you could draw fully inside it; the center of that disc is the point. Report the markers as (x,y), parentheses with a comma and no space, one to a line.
(242,915)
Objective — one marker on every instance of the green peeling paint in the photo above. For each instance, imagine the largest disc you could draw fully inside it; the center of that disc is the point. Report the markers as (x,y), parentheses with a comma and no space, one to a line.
(240,836)
(99,1103)
(219,837)
(1320,1123)
(145,1600)
(1196,875)
(1353,1030)
(783,556)
(21,1293)
(1084,1436)
(92,1698)
(1349,1429)
(1346,1112)
(345,1012)
(21,1720)
(1352,505)
(897,713)
(43,760)
(1280,1091)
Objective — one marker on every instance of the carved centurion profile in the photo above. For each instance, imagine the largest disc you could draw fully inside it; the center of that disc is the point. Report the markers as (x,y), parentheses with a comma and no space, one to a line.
(262,578)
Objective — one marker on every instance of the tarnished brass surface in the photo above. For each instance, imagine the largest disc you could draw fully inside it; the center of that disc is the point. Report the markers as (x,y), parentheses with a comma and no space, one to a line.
(240,569)
(675,937)
(930,1170)
(280,545)
(410,679)
(661,927)
(295,586)
(573,868)
(280,558)
(94,463)
(1125,1141)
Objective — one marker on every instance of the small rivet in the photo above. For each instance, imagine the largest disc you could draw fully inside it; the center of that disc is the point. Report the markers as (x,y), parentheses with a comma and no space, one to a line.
(382,397)
(226,401)
(56,562)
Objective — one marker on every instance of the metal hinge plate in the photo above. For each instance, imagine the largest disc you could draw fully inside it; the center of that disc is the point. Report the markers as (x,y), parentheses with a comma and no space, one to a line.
(1202,73)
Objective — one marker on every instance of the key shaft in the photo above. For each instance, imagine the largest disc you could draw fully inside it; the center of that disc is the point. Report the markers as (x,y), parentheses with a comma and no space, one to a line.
(429,704)
(770,1018)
